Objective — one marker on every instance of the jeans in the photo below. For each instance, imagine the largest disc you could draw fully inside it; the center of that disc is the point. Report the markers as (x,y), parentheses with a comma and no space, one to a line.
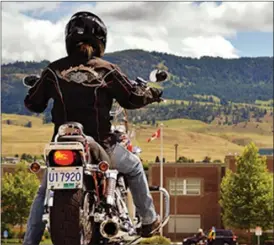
(127,164)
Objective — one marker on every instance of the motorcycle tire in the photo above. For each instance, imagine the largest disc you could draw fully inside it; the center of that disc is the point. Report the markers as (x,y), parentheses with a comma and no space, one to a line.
(65,217)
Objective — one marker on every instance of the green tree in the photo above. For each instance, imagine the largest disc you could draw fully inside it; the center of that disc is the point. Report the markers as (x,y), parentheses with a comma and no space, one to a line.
(26,157)
(18,191)
(207,159)
(161,66)
(247,194)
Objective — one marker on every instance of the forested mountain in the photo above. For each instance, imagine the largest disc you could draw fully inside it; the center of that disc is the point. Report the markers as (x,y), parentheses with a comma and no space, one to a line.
(242,80)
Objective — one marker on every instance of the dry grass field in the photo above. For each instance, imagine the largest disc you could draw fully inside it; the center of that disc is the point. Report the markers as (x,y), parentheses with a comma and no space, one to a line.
(195,138)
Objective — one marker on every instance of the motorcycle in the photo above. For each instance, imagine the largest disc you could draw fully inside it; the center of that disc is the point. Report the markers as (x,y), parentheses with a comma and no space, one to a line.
(85,202)
(194,240)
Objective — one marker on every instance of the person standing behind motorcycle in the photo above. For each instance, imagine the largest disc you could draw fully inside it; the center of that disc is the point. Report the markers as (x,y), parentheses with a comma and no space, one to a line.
(83,87)
(211,236)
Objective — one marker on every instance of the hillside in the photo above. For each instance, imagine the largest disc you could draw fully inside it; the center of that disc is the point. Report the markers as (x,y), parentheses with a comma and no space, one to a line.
(195,138)
(243,80)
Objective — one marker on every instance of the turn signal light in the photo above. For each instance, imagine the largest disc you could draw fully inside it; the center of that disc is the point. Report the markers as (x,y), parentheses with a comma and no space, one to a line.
(35,167)
(103,166)
(63,157)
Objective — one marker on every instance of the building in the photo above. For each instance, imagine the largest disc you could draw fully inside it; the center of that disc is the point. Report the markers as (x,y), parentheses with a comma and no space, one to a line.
(12,160)
(230,162)
(194,204)
(266,151)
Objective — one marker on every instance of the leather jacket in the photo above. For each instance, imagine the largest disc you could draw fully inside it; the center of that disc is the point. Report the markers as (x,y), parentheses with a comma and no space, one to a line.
(83,91)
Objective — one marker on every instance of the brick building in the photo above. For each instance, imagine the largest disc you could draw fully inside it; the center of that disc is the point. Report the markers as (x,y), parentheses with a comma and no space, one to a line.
(194,204)
(230,162)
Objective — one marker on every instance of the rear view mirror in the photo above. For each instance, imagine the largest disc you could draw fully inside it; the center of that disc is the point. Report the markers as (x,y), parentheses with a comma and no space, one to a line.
(29,81)
(136,150)
(158,76)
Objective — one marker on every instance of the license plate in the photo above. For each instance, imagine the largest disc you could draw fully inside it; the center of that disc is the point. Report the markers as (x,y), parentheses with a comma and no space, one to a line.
(65,178)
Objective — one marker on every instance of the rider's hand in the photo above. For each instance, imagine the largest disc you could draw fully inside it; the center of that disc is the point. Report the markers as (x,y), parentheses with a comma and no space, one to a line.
(160,100)
(161,76)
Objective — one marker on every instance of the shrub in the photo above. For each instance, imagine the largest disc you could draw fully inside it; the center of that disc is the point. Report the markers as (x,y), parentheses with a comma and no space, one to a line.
(26,157)
(183,159)
(19,235)
(217,161)
(47,235)
(264,237)
(242,239)
(145,166)
(161,240)
(207,159)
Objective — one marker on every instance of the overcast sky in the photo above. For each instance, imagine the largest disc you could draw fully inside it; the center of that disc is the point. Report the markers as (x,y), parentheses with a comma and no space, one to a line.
(35,30)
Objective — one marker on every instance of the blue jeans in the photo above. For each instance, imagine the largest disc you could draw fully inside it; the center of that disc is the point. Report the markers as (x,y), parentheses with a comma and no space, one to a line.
(127,164)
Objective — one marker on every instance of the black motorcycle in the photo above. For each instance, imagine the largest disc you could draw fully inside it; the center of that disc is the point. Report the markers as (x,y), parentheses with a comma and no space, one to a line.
(86,202)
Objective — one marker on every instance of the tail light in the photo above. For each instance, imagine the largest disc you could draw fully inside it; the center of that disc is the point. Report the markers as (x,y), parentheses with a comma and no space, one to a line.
(234,238)
(64,157)
(35,167)
(103,166)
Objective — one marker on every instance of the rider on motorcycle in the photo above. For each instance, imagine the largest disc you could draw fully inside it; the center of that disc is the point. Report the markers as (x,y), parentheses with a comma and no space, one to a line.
(83,86)
(200,235)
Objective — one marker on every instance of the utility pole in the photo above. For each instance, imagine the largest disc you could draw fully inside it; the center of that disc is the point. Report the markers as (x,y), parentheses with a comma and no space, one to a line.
(161,175)
(176,152)
(175,205)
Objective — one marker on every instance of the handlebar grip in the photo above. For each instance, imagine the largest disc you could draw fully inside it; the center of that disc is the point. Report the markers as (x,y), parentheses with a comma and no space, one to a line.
(154,188)
(159,100)
(30,81)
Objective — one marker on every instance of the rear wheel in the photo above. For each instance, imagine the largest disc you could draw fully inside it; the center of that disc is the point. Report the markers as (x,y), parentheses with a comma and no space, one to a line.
(65,217)
(70,219)
(86,220)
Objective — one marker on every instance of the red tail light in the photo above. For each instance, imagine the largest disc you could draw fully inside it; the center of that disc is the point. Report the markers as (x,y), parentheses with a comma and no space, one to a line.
(64,157)
(234,238)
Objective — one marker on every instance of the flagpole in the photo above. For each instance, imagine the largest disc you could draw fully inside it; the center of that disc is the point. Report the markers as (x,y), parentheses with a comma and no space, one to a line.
(161,174)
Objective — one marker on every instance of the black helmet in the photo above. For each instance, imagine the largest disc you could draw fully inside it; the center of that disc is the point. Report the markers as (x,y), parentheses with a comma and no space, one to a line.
(87,28)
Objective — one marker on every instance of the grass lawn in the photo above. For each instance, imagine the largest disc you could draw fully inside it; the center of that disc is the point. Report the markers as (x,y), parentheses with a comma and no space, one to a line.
(16,242)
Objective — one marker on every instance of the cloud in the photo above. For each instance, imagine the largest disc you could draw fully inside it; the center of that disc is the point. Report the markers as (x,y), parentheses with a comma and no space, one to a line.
(181,28)
(21,6)
(208,46)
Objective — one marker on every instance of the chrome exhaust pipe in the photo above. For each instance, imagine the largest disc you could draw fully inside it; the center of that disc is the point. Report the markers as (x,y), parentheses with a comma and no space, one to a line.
(109,228)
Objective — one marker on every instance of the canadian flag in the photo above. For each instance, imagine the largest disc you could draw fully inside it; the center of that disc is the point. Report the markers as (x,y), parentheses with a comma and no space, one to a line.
(154,136)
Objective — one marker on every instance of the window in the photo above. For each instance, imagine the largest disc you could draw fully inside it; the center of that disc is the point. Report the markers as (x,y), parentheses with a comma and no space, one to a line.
(187,186)
(184,223)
